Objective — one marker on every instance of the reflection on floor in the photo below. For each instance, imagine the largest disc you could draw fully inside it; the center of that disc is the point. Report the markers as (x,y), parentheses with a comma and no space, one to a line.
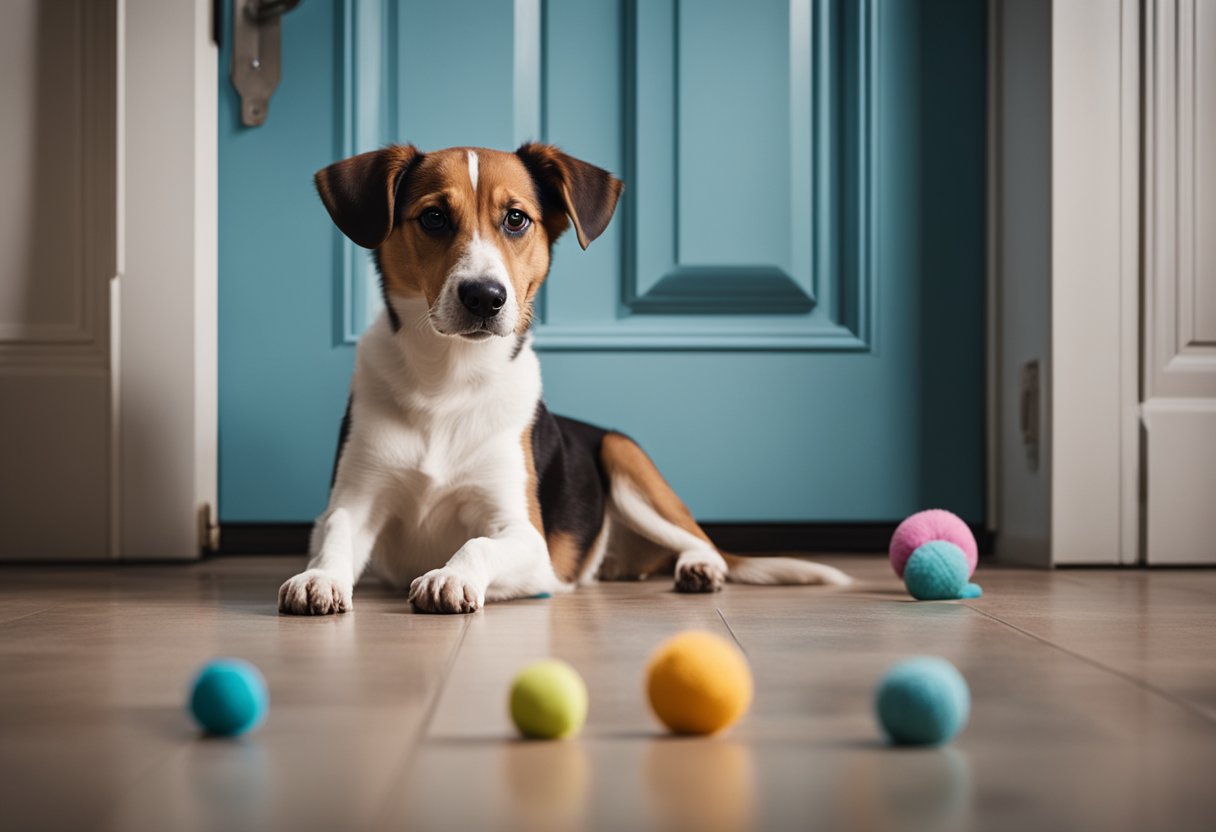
(1094,706)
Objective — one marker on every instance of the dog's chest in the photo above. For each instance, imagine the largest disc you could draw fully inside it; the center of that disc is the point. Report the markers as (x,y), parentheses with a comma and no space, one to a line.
(438,448)
(441,481)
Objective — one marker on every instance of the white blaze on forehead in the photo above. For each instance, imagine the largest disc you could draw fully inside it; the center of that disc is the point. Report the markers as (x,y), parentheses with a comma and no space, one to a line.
(473,168)
(482,259)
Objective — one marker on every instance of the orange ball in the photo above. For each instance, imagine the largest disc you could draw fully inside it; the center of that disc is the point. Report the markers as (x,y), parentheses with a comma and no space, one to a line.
(698,683)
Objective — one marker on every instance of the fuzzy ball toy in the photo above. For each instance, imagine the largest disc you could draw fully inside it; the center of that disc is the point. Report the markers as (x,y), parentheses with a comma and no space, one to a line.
(698,683)
(228,697)
(935,553)
(922,701)
(548,700)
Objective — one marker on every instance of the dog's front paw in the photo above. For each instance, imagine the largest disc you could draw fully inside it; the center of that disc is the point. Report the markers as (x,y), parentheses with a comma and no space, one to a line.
(443,590)
(700,574)
(314,592)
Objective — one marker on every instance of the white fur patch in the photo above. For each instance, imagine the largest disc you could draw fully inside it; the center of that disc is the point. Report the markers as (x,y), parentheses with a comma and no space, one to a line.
(432,481)
(481,259)
(473,169)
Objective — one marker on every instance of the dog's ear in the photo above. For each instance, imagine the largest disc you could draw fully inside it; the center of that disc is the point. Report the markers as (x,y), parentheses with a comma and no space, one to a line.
(571,188)
(360,193)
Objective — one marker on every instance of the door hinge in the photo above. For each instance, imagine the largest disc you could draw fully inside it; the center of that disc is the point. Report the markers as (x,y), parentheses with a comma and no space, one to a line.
(256,50)
(208,530)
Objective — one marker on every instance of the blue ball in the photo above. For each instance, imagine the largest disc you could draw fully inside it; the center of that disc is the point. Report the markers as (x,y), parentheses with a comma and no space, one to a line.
(922,701)
(937,571)
(228,697)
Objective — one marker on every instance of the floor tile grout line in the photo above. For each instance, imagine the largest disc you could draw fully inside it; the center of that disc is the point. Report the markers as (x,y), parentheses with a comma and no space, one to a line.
(8,621)
(1127,677)
(428,716)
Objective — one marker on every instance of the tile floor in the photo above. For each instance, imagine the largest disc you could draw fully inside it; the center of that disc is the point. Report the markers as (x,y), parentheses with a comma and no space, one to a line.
(1094,706)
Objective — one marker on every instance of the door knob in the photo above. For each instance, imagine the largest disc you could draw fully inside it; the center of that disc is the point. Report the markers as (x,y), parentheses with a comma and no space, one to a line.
(255,54)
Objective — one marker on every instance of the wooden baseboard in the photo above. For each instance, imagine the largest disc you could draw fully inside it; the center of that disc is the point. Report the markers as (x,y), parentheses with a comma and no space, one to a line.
(744,538)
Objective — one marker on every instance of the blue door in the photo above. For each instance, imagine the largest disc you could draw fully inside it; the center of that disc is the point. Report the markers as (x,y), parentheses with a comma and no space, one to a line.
(786,310)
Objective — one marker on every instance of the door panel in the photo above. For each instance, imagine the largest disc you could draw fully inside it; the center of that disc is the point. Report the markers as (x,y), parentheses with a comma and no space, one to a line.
(58,260)
(753,315)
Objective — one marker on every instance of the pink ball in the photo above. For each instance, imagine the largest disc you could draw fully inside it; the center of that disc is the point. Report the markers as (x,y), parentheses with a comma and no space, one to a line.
(934,524)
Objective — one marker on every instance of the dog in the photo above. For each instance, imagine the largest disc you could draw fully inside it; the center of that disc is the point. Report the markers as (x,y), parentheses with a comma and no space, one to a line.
(452,477)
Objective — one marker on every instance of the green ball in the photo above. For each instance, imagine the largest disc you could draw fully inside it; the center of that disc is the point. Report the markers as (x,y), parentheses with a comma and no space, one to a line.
(549,700)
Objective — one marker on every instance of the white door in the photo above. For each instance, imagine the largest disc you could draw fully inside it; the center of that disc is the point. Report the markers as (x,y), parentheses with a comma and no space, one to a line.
(1179,411)
(57,258)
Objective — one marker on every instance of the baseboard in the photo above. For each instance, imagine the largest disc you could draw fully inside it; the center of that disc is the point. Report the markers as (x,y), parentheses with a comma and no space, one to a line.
(744,538)
(264,538)
(749,538)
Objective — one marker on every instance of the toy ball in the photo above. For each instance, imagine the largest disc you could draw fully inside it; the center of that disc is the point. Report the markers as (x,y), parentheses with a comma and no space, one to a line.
(922,701)
(934,524)
(698,683)
(938,570)
(549,700)
(228,697)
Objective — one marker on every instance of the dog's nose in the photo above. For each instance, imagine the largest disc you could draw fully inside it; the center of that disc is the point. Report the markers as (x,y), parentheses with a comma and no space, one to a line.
(482,297)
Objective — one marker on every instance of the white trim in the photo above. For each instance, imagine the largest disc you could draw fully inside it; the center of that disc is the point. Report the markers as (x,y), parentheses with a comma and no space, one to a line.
(1090,442)
(206,270)
(165,361)
(1130,191)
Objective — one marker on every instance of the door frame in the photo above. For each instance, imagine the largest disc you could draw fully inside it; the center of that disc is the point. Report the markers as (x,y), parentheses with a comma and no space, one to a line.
(164,297)
(1074,68)
(167,260)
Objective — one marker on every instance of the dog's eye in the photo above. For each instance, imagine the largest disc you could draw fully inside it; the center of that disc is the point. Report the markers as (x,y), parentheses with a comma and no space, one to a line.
(432,219)
(516,221)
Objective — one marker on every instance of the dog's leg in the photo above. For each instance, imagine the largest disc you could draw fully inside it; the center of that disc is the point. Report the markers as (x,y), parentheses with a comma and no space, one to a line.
(341,546)
(512,564)
(699,567)
(644,502)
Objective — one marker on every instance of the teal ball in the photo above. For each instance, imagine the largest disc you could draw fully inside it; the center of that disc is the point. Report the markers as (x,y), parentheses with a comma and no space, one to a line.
(936,571)
(228,697)
(922,701)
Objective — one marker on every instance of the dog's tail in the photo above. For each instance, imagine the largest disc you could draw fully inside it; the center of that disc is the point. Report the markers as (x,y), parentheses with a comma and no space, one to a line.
(770,571)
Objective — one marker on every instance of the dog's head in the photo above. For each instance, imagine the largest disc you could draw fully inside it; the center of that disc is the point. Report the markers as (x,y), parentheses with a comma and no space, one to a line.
(468,229)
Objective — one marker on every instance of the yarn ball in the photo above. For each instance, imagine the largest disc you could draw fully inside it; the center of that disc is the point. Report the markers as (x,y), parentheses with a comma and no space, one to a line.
(698,683)
(934,524)
(228,697)
(938,571)
(922,701)
(548,700)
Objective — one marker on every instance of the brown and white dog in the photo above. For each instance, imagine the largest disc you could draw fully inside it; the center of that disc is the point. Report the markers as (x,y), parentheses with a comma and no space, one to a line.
(452,477)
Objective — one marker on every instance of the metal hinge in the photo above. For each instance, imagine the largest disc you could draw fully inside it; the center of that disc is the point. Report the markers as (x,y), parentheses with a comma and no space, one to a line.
(255,54)
(208,530)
